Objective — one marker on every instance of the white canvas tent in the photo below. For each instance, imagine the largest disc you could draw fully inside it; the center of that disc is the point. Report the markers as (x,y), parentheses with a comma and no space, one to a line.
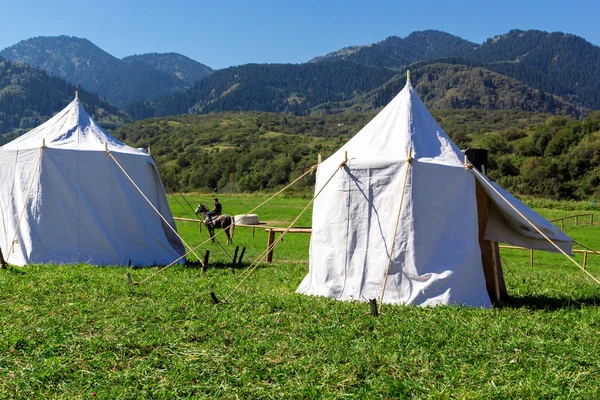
(64,200)
(444,250)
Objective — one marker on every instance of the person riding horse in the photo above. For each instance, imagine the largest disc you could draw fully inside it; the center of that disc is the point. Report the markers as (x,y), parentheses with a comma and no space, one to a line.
(216,211)
(216,219)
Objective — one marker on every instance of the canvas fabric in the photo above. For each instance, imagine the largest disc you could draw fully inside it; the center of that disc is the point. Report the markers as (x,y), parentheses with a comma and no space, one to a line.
(81,207)
(435,257)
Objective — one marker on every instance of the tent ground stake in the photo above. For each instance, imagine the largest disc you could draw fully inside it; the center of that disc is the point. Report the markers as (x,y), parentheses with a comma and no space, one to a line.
(2,261)
(585,260)
(241,256)
(373,305)
(531,258)
(235,253)
(214,298)
(205,265)
(129,279)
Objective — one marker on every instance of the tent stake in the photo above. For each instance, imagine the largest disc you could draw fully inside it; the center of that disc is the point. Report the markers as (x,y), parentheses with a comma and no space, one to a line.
(235,253)
(214,298)
(241,256)
(373,305)
(129,279)
(2,261)
(531,258)
(205,266)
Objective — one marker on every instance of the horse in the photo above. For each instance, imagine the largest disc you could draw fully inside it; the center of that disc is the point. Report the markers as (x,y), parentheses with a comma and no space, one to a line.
(223,221)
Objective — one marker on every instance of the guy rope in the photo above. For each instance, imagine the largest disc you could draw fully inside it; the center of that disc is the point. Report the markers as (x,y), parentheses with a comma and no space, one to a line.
(149,202)
(387,272)
(309,171)
(262,257)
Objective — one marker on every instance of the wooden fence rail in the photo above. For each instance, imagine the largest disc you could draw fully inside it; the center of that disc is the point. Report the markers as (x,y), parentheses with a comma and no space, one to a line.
(584,252)
(576,216)
(272,232)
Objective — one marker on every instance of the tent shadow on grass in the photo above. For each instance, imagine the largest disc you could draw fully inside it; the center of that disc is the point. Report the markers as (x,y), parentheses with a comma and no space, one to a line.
(13,270)
(548,303)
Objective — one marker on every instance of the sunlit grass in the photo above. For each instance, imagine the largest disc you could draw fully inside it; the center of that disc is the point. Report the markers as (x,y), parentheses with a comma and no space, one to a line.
(76,331)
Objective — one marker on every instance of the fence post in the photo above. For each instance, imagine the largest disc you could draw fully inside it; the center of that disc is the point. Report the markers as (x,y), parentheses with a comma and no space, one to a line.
(577,220)
(591,219)
(562,224)
(269,244)
(585,260)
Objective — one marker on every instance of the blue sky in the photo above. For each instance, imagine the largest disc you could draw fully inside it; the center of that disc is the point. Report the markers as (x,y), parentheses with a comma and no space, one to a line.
(222,33)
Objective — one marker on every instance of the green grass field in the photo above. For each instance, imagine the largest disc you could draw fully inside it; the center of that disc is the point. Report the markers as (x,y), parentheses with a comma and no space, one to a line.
(83,332)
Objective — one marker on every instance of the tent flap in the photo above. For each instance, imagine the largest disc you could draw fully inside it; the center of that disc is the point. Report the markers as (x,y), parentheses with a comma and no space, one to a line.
(505,225)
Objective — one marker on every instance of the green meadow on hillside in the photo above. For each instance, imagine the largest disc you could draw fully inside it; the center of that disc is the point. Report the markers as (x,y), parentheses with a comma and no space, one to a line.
(83,331)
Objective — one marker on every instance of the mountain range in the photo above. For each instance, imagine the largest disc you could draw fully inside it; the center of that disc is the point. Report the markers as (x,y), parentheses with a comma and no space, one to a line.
(558,63)
(521,70)
(553,73)
(120,81)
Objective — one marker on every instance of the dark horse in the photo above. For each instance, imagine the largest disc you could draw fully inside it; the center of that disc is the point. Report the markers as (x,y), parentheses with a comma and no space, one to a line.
(223,221)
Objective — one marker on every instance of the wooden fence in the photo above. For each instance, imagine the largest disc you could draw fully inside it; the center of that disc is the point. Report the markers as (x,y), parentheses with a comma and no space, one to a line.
(576,216)
(584,252)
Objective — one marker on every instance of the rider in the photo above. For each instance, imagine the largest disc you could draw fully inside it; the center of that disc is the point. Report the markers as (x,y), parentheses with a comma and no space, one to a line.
(216,211)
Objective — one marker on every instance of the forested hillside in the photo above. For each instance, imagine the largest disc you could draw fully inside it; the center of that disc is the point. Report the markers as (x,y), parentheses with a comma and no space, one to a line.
(444,86)
(288,88)
(530,153)
(562,64)
(176,65)
(395,52)
(557,73)
(321,87)
(81,62)
(29,96)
